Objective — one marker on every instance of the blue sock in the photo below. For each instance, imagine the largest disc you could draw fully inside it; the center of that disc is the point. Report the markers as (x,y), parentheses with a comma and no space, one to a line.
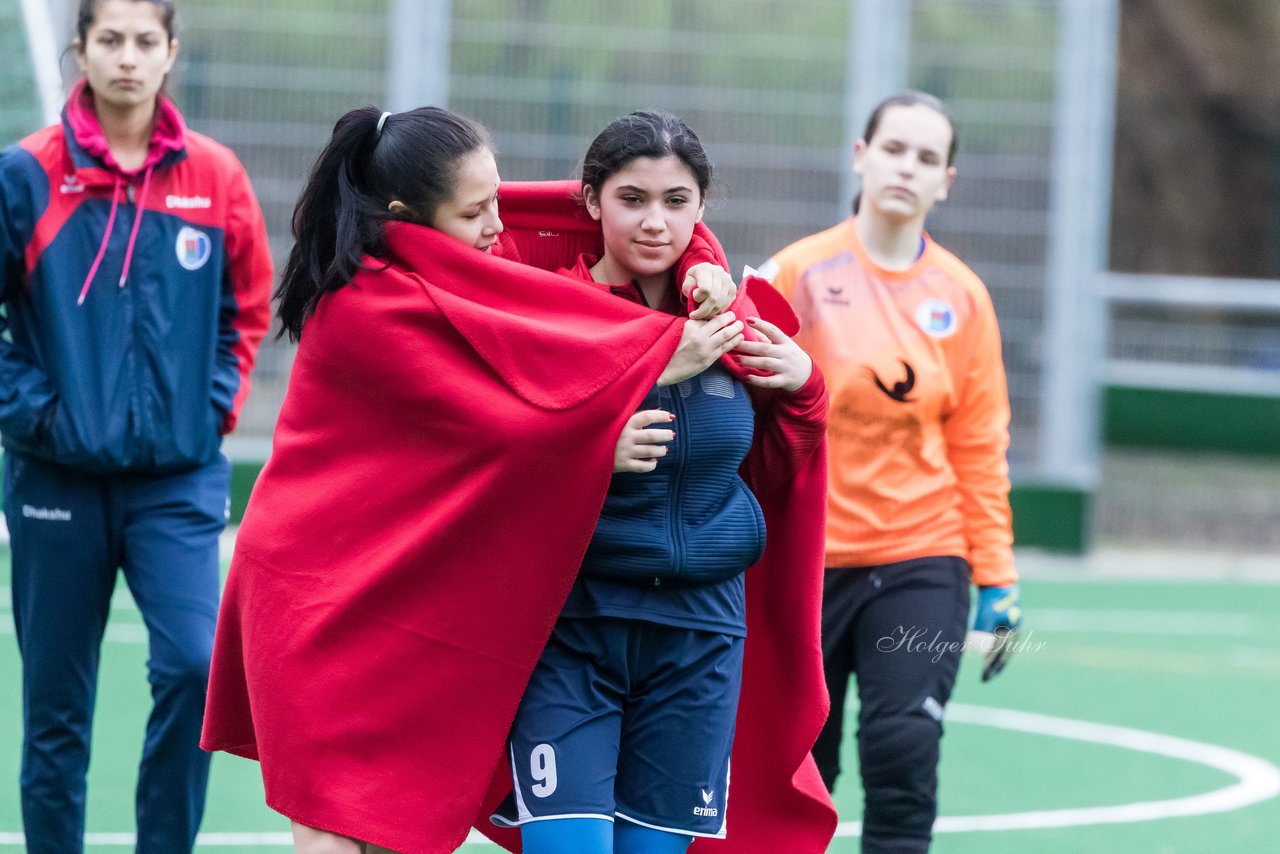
(631,838)
(567,836)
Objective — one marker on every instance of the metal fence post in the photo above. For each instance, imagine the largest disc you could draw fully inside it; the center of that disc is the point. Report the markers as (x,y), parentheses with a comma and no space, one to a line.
(40,20)
(418,53)
(1080,201)
(875,67)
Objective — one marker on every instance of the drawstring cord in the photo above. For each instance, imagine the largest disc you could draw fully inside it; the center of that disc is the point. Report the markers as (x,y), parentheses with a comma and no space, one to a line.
(137,220)
(106,237)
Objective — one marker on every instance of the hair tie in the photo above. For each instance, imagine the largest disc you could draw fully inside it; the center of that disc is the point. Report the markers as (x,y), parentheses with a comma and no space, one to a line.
(382,121)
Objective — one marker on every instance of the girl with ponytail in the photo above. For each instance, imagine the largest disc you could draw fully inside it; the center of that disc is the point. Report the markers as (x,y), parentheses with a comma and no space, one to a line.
(426,166)
(440,460)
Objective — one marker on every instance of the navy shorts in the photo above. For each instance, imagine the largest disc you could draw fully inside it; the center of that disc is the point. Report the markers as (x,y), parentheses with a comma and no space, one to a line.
(628,719)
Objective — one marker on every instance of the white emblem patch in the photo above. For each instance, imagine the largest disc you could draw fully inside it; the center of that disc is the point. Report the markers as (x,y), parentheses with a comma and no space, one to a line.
(193,248)
(936,317)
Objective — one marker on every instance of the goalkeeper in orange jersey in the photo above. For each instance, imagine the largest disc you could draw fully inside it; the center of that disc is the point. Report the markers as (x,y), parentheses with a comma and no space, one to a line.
(918,495)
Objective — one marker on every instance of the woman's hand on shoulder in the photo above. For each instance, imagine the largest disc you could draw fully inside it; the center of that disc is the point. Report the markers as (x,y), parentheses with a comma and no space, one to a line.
(639,447)
(789,366)
(711,287)
(701,343)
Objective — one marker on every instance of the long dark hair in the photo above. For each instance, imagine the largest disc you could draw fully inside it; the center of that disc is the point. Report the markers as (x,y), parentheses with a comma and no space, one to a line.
(910,98)
(644,133)
(340,215)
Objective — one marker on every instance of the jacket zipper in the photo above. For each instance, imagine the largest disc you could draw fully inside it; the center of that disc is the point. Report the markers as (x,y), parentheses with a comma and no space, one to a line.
(138,402)
(677,484)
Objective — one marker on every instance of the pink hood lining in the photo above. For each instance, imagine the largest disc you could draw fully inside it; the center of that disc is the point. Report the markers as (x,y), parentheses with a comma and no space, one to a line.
(169,134)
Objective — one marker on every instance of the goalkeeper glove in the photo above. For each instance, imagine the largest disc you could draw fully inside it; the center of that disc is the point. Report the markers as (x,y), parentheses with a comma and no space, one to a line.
(996,625)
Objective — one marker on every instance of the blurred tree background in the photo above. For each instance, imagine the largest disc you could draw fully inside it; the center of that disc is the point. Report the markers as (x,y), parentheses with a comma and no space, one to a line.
(1197,151)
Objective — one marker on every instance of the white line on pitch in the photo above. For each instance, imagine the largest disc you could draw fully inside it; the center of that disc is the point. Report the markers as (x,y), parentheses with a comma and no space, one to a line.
(1256,779)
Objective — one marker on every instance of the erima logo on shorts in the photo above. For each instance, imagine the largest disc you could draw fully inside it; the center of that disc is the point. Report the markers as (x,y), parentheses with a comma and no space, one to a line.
(707,810)
(49,514)
(192,248)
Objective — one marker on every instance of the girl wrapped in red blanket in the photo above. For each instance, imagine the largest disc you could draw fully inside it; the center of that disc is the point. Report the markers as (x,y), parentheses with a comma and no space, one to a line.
(439,465)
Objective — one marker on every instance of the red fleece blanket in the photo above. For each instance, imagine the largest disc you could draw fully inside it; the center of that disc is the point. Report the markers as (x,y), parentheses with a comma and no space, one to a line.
(438,467)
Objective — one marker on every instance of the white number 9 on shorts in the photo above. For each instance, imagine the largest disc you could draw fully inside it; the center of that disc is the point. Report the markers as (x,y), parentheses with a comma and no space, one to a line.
(542,767)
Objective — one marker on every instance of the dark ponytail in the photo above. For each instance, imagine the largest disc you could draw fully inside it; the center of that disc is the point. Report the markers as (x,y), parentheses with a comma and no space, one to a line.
(340,215)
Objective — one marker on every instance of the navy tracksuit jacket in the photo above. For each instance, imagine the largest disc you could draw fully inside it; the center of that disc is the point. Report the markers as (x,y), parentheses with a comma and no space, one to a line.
(133,306)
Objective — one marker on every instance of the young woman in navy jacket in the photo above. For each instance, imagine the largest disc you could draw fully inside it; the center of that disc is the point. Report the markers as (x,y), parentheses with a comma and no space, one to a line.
(135,278)
(623,738)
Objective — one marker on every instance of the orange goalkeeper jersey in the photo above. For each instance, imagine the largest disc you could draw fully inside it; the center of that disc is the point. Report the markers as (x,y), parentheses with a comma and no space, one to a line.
(919,418)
